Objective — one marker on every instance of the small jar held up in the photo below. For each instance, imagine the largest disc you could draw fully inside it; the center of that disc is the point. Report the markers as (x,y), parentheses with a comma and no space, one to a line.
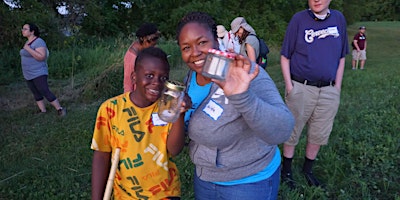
(170,101)
(217,64)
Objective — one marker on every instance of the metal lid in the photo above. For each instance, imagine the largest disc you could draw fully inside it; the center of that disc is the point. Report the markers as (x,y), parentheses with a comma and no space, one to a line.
(174,85)
(222,53)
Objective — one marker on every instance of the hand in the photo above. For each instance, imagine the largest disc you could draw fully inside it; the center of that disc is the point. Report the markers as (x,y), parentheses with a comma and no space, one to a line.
(186,103)
(238,77)
(289,88)
(26,46)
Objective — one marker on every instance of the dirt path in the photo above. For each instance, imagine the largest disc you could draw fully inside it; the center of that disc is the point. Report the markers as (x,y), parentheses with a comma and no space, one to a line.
(17,95)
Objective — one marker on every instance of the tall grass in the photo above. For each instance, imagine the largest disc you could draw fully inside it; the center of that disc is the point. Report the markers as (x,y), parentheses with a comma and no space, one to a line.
(45,157)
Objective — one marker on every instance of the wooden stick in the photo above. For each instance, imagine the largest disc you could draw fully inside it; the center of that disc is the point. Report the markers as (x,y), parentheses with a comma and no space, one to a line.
(111,176)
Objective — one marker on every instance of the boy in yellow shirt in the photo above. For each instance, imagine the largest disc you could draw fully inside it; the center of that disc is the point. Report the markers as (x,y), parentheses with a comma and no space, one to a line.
(130,122)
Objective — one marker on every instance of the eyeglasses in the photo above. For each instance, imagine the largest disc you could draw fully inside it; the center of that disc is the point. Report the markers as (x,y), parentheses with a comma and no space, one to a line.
(24,29)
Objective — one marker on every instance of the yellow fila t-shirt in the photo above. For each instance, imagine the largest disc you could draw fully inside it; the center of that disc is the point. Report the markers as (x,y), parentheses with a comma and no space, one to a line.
(146,170)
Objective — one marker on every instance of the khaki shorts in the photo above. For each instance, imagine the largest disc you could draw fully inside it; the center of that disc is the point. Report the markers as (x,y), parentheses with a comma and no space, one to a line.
(316,107)
(362,55)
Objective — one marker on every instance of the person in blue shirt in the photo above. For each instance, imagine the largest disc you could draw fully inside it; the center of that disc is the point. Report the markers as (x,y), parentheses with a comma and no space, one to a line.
(312,61)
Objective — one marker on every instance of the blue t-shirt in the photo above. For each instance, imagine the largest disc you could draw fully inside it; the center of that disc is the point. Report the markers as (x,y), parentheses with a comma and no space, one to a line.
(262,175)
(315,48)
(197,94)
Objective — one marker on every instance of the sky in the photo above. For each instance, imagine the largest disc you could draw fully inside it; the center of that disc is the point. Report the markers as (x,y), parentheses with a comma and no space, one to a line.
(9,3)
(61,9)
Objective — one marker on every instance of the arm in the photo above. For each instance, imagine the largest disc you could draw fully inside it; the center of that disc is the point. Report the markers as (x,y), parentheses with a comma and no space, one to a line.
(356,45)
(264,111)
(251,53)
(339,74)
(285,66)
(100,170)
(39,53)
(257,99)
(176,136)
(365,47)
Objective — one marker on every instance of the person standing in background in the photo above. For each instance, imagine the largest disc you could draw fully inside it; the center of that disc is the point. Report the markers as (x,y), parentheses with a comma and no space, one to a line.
(359,48)
(312,61)
(35,70)
(223,37)
(248,40)
(146,36)
(227,40)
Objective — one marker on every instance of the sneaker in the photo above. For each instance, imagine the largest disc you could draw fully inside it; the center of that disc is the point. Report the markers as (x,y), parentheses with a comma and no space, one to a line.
(39,112)
(62,112)
(311,180)
(287,178)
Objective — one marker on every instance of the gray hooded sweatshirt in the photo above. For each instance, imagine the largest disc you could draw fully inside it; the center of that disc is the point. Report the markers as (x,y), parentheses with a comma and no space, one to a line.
(236,136)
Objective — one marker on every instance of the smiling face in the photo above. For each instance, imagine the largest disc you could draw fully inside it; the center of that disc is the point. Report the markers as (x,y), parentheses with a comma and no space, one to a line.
(195,40)
(319,7)
(149,77)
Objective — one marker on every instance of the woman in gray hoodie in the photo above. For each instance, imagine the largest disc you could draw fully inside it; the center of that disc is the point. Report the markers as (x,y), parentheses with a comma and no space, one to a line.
(234,125)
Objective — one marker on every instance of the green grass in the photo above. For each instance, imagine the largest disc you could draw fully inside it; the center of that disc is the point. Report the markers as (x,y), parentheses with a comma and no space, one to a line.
(45,157)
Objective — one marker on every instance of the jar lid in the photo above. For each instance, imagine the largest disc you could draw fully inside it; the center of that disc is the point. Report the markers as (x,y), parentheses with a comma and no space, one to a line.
(222,53)
(174,85)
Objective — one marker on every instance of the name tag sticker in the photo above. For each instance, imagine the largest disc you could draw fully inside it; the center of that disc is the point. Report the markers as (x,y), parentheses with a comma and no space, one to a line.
(213,110)
(157,121)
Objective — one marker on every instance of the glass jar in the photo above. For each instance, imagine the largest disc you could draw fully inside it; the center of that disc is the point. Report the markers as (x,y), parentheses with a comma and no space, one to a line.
(217,64)
(170,101)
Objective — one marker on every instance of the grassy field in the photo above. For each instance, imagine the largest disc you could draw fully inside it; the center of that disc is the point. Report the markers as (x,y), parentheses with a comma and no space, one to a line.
(45,157)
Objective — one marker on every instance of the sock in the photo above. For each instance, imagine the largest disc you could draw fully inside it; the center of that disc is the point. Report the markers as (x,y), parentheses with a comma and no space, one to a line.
(287,165)
(308,163)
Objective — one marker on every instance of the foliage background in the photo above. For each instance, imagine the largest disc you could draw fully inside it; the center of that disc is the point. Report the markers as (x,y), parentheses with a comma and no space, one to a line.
(43,157)
(103,18)
(90,21)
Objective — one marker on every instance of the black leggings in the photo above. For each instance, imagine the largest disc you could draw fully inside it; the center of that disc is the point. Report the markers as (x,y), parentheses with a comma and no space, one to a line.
(40,88)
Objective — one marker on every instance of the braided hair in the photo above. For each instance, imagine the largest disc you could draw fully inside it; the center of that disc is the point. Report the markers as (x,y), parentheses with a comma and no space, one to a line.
(202,18)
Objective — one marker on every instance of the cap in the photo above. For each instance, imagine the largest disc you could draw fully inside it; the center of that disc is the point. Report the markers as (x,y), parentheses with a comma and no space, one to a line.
(362,27)
(221,31)
(241,22)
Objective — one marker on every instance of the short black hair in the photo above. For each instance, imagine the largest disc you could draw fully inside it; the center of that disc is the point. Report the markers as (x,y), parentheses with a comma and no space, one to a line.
(200,17)
(152,52)
(33,27)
